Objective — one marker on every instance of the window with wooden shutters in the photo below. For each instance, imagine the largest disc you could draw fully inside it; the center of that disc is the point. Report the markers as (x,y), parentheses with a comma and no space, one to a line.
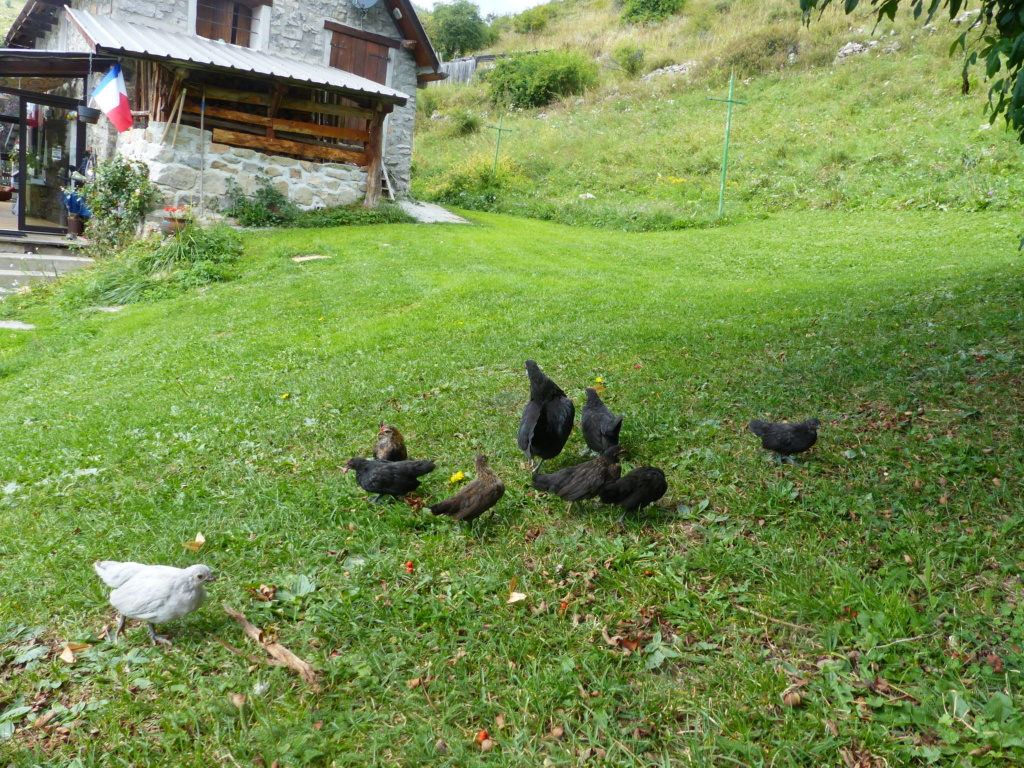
(229,20)
(361,53)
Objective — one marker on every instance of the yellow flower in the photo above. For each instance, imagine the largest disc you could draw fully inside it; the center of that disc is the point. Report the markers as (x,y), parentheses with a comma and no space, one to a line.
(458,477)
(599,380)
(284,396)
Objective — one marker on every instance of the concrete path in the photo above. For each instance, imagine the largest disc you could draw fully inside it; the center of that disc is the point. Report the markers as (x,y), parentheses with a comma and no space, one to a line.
(428,213)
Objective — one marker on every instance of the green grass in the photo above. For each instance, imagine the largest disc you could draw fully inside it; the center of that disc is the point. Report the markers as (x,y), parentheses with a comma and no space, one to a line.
(888,129)
(892,558)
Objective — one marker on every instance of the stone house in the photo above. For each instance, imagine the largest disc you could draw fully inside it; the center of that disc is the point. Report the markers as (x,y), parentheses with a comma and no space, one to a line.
(316,96)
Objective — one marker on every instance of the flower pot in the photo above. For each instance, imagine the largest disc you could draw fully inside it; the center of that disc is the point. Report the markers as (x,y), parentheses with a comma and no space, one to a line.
(76,224)
(172,226)
(88,114)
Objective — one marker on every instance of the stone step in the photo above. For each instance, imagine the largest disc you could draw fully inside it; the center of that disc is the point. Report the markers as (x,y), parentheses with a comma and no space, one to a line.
(43,262)
(20,269)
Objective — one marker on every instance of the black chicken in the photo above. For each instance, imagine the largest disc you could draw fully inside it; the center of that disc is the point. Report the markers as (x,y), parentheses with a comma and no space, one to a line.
(390,445)
(642,486)
(477,497)
(584,481)
(547,418)
(786,439)
(388,478)
(599,425)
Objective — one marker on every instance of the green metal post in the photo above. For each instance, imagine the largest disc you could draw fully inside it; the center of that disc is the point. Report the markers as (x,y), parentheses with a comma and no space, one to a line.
(497,146)
(725,153)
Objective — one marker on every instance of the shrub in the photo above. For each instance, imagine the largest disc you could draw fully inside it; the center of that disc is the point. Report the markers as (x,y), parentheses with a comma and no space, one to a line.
(155,268)
(760,52)
(426,102)
(465,123)
(533,80)
(649,11)
(472,184)
(119,197)
(531,20)
(351,215)
(631,58)
(268,207)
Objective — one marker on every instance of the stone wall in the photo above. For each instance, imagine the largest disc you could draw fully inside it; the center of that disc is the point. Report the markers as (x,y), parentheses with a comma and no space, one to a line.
(296,30)
(197,166)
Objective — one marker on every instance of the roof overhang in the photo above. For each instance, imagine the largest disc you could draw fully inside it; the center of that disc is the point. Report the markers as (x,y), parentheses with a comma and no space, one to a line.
(113,37)
(35,20)
(26,62)
(409,25)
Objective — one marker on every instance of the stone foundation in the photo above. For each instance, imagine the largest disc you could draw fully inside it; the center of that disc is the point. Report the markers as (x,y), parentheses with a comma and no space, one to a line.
(183,174)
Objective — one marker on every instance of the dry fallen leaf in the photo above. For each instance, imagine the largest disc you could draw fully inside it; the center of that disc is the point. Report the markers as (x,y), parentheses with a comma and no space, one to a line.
(414,683)
(43,720)
(68,654)
(629,643)
(486,745)
(237,699)
(499,721)
(831,728)
(194,545)
(557,733)
(441,747)
(515,597)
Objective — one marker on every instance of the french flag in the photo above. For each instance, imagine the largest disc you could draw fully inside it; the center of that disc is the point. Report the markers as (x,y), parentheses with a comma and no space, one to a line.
(111,96)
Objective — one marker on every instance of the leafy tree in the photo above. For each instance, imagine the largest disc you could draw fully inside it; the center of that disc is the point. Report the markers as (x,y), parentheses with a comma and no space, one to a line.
(995,36)
(456,28)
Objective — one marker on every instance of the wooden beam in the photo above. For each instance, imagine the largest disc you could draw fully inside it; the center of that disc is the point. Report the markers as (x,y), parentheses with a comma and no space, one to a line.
(374,149)
(280,124)
(275,102)
(285,147)
(360,34)
(340,110)
(287,102)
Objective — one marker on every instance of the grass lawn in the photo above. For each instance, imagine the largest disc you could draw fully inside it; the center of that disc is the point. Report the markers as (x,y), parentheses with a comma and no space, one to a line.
(859,611)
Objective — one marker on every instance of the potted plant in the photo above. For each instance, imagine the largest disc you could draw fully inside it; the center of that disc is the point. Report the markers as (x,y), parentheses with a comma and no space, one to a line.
(176,218)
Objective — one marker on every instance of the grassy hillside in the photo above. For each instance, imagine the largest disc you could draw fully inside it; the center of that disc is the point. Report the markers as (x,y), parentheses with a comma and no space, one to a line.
(9,10)
(886,129)
(859,611)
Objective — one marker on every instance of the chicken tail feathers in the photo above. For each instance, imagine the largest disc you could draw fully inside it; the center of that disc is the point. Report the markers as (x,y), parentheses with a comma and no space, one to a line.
(758,427)
(544,483)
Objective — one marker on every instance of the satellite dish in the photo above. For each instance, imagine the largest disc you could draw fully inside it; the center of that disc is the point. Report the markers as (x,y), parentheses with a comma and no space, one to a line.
(364,5)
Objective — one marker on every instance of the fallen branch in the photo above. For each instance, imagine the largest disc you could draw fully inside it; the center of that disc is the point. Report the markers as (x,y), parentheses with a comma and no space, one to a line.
(275,649)
(249,656)
(904,640)
(783,622)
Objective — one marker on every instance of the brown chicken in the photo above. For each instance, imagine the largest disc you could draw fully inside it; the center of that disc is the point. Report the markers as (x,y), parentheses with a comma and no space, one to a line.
(477,497)
(584,481)
(390,445)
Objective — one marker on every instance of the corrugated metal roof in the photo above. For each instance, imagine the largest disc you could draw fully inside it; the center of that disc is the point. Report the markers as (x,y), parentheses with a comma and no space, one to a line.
(131,39)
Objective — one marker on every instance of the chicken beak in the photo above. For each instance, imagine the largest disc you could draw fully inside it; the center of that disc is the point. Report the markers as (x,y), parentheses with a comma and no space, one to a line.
(344,471)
